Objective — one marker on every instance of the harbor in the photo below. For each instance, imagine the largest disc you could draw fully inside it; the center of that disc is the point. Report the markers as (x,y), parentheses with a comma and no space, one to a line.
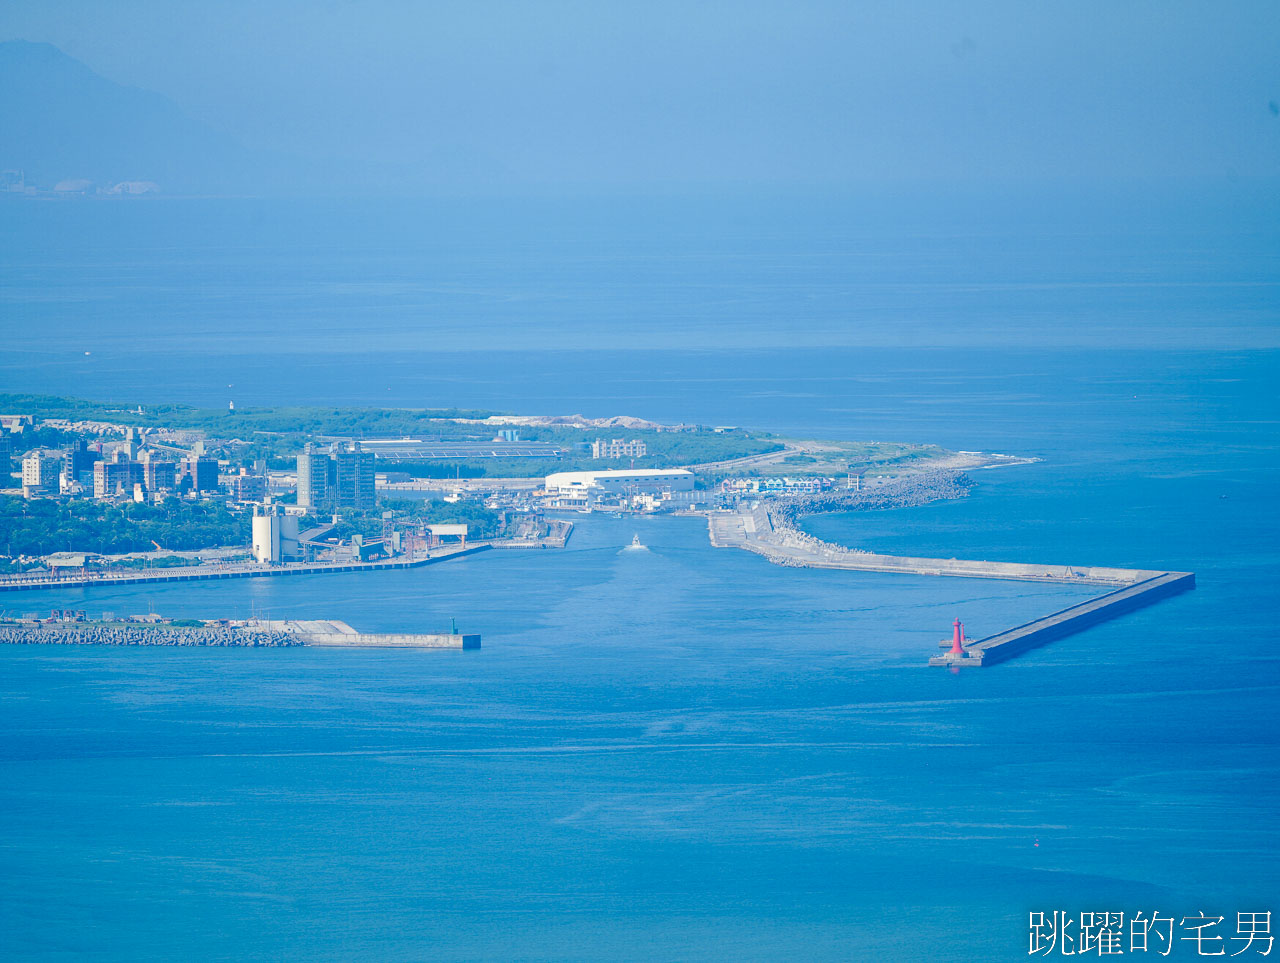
(770,532)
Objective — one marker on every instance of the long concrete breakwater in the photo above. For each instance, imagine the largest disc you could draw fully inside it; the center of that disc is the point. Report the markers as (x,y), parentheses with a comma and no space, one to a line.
(71,633)
(1075,618)
(253,633)
(769,529)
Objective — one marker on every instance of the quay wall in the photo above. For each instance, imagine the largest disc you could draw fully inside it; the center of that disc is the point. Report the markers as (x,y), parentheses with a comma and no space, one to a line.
(195,573)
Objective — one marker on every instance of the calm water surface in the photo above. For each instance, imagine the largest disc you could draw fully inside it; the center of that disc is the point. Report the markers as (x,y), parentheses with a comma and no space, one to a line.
(684,753)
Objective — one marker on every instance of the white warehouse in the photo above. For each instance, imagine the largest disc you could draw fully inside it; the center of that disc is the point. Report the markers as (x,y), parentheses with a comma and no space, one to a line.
(640,481)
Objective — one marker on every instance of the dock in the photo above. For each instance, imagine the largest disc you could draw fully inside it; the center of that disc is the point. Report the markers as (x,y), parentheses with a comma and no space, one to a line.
(756,530)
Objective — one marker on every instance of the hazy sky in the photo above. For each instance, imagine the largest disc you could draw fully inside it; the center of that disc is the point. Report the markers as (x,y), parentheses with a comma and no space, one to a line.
(619,93)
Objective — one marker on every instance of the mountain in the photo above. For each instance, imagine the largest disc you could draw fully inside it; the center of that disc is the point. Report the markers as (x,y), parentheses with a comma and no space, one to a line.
(61,122)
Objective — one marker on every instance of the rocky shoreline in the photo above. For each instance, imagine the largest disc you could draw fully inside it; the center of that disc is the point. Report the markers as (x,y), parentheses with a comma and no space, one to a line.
(903,493)
(73,634)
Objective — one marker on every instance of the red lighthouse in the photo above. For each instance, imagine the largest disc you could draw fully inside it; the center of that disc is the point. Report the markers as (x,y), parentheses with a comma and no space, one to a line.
(957,641)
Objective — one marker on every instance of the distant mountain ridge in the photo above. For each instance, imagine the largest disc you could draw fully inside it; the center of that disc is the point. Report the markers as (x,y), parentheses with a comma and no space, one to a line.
(61,121)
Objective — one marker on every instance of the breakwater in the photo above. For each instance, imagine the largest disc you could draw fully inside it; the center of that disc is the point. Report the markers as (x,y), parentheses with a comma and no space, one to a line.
(73,633)
(902,493)
(1075,618)
(770,529)
(252,633)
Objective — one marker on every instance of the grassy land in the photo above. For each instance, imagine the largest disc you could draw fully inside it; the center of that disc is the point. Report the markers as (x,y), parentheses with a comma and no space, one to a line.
(277,434)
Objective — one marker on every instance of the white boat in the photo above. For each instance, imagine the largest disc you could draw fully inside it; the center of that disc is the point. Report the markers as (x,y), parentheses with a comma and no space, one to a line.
(635,545)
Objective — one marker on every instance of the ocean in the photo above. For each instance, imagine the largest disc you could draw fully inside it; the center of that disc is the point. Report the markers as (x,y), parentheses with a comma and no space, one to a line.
(684,753)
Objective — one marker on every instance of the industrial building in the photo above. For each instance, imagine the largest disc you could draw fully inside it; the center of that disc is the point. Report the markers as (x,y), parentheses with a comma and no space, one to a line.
(341,479)
(410,449)
(313,478)
(275,536)
(617,448)
(640,481)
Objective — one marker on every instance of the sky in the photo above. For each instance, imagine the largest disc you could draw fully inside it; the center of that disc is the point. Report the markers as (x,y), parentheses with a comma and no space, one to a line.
(614,95)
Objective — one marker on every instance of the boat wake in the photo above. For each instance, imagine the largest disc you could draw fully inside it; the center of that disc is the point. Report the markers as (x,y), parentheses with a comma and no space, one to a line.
(635,545)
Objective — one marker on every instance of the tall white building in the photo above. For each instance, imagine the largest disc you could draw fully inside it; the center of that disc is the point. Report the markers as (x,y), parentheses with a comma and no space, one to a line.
(617,448)
(41,471)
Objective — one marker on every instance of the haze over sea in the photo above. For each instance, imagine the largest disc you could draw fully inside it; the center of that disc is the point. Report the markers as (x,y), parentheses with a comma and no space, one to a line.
(686,753)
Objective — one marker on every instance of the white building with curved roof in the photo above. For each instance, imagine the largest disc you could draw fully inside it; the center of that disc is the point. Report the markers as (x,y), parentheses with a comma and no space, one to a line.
(639,481)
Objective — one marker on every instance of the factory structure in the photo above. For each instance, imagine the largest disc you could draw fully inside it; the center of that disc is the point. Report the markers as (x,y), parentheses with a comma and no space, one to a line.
(638,488)
(275,536)
(339,478)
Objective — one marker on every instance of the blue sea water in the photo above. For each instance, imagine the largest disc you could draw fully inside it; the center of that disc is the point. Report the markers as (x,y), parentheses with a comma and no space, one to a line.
(684,753)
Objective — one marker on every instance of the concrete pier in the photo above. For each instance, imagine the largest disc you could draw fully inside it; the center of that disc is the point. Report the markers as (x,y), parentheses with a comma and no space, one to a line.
(335,633)
(1075,618)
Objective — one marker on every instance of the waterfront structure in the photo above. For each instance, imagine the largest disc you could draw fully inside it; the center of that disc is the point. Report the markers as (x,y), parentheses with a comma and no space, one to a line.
(768,529)
(617,448)
(639,481)
(781,485)
(41,471)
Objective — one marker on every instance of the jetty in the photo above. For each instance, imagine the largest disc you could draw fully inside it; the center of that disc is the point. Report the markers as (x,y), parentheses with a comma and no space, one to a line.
(769,530)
